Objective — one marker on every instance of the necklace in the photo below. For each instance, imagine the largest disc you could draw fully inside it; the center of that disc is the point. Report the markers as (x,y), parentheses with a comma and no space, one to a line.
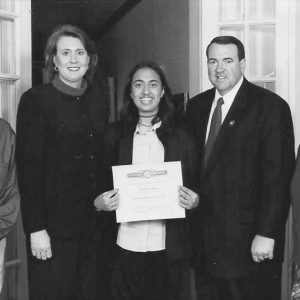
(145,124)
(147,116)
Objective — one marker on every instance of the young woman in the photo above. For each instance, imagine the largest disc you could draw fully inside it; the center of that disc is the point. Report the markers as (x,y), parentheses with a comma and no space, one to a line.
(152,255)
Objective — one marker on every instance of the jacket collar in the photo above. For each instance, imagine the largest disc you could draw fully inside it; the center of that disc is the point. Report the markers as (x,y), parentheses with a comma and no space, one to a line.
(66,89)
(126,143)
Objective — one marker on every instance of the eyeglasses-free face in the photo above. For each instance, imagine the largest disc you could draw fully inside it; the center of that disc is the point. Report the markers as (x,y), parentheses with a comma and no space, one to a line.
(224,67)
(71,60)
(146,91)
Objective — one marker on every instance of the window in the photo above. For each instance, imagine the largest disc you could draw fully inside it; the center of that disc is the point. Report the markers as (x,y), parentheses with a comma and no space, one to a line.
(15,55)
(253,22)
(263,26)
(8,72)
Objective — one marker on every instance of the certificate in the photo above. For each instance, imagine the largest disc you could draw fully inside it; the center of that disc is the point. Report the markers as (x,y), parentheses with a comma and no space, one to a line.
(148,191)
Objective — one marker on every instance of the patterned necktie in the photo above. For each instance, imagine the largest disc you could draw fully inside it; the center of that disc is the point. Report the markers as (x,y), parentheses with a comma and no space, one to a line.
(215,125)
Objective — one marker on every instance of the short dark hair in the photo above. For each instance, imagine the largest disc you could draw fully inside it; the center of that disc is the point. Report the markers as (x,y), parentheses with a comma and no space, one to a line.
(165,109)
(51,49)
(228,39)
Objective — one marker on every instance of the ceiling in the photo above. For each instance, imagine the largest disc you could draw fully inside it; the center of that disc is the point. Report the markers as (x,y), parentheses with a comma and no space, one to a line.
(94,16)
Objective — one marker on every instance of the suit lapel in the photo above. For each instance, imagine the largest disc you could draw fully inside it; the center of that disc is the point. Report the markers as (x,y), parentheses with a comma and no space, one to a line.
(126,144)
(205,114)
(230,123)
(201,115)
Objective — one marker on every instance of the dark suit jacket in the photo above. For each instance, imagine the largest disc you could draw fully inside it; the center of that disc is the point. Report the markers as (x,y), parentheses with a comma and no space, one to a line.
(245,189)
(59,158)
(178,147)
(295,196)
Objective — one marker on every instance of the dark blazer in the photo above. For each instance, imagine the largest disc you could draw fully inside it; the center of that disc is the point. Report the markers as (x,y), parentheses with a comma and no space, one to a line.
(295,196)
(178,147)
(245,188)
(59,158)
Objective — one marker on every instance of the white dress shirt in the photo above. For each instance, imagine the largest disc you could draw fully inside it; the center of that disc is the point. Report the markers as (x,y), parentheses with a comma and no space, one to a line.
(228,100)
(143,236)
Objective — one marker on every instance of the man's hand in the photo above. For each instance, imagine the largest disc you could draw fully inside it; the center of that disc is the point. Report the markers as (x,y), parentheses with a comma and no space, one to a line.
(262,248)
(40,245)
(187,198)
(107,201)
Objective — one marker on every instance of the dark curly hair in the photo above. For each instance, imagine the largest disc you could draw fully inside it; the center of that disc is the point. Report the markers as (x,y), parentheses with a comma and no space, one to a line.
(51,49)
(130,114)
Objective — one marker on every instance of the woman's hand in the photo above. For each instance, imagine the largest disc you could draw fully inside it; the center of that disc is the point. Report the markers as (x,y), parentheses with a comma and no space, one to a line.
(107,201)
(187,198)
(40,245)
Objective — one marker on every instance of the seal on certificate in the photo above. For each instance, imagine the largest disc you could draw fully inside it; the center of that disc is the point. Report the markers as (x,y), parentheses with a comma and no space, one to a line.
(147,173)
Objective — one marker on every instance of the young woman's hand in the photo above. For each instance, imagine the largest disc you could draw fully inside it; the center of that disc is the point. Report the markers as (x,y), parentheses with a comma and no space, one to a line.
(107,201)
(187,198)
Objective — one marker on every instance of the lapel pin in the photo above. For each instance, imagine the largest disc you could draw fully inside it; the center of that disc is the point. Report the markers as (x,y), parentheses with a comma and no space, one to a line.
(231,123)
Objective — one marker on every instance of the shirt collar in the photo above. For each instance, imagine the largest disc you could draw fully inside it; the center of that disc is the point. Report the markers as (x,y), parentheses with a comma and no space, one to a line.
(153,129)
(229,97)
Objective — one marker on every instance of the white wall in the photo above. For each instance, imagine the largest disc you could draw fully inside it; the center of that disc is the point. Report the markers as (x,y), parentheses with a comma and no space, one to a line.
(296,114)
(154,30)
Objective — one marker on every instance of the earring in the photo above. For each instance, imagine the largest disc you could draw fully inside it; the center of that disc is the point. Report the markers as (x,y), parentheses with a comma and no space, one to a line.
(56,69)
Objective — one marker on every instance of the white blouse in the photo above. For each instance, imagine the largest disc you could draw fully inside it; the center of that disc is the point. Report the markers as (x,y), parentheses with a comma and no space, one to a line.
(143,236)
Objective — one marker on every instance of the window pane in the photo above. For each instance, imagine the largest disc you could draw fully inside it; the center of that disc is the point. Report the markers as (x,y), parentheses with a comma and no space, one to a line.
(8,5)
(231,10)
(271,86)
(261,9)
(8,103)
(267,85)
(237,31)
(262,51)
(7,47)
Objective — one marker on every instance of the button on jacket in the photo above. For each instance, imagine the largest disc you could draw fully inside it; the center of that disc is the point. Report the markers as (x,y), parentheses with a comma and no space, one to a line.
(178,146)
(244,189)
(59,155)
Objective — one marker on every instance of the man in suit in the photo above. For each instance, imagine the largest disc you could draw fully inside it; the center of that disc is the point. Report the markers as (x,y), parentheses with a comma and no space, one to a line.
(245,152)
